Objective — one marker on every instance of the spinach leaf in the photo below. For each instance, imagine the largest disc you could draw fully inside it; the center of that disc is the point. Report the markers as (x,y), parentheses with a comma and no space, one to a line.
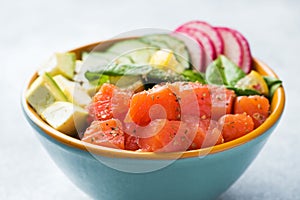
(161,75)
(126,69)
(223,72)
(92,76)
(96,78)
(103,79)
(215,74)
(192,75)
(147,73)
(243,92)
(119,70)
(231,71)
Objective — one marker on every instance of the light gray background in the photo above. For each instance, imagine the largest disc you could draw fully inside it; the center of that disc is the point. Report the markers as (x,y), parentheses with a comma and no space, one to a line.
(30,31)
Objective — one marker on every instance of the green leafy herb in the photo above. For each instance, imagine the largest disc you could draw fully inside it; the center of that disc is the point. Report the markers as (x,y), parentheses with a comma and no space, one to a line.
(103,79)
(96,78)
(162,75)
(243,92)
(223,72)
(192,75)
(214,74)
(232,72)
(147,73)
(118,70)
(126,69)
(92,76)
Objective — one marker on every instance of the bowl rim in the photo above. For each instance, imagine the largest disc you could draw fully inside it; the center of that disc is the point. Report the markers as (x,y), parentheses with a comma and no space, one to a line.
(277,107)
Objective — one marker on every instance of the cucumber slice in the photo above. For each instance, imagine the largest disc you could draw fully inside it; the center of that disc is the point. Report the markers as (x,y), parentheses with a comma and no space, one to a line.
(106,55)
(172,43)
(103,58)
(142,56)
(96,61)
(159,43)
(127,46)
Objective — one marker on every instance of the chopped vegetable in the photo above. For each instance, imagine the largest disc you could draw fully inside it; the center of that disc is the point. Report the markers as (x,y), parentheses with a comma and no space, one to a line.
(209,30)
(208,51)
(166,60)
(74,92)
(65,117)
(273,84)
(167,41)
(146,72)
(66,63)
(192,75)
(253,81)
(43,92)
(223,72)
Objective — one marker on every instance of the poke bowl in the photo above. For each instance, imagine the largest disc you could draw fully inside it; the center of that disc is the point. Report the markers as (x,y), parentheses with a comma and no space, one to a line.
(108,171)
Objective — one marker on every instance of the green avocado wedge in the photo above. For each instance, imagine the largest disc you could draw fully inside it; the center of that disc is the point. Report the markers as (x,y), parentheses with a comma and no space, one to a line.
(65,65)
(43,92)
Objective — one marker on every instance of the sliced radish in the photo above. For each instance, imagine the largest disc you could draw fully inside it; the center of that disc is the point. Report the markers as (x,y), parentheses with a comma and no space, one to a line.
(247,58)
(232,45)
(194,47)
(205,42)
(208,30)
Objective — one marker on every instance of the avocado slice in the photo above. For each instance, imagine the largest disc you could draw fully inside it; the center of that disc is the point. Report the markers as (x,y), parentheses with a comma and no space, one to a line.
(43,92)
(74,92)
(65,65)
(65,117)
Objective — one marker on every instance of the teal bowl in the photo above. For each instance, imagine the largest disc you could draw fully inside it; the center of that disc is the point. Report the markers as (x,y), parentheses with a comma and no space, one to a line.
(111,174)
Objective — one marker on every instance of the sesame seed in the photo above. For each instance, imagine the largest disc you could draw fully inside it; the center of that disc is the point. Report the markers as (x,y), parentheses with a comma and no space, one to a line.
(259,106)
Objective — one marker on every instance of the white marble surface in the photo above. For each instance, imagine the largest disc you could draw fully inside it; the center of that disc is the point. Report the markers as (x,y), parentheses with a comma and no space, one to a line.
(32,30)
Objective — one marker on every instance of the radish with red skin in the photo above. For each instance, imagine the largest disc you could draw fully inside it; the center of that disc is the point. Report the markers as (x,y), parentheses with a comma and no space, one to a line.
(209,30)
(247,58)
(195,48)
(206,43)
(232,45)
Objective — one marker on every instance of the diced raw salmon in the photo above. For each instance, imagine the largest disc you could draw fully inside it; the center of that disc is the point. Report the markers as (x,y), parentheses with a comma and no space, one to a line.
(109,102)
(235,126)
(158,103)
(108,133)
(258,107)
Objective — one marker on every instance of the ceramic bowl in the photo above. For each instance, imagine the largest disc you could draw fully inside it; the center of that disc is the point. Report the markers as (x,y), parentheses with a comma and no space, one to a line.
(108,173)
